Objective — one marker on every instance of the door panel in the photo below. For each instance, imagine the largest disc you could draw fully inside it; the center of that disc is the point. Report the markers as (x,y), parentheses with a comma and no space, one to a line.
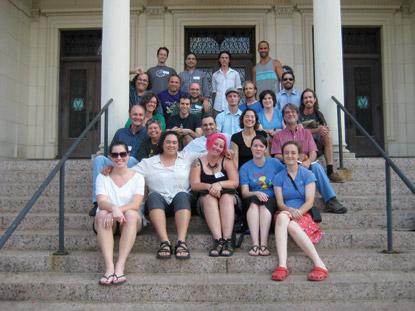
(363,98)
(80,101)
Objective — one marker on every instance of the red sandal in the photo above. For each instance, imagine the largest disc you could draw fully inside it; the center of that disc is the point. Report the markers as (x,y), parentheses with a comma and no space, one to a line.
(279,274)
(318,274)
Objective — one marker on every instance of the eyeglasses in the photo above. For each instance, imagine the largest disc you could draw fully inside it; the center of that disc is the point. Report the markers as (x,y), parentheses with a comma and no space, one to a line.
(288,79)
(142,80)
(118,154)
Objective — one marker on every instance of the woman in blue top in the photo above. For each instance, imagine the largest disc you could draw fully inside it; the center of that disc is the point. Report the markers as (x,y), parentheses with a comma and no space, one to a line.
(270,117)
(294,189)
(257,190)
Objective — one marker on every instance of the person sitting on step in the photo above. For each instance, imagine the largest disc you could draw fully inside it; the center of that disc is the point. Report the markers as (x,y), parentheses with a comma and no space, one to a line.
(294,189)
(119,195)
(258,193)
(167,179)
(313,119)
(215,178)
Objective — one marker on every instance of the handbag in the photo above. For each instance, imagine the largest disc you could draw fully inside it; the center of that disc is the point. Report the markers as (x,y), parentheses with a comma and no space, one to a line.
(314,212)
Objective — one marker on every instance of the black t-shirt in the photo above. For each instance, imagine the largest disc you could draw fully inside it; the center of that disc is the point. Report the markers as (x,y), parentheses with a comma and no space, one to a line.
(190,122)
(244,152)
(312,121)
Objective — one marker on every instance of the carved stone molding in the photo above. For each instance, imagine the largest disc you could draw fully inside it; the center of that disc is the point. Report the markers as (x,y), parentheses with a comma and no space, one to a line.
(283,11)
(154,10)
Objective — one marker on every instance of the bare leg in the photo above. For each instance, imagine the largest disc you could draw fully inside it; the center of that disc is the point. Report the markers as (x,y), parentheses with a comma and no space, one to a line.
(128,235)
(264,224)
(328,149)
(182,218)
(281,237)
(158,220)
(227,214)
(304,242)
(212,216)
(105,237)
(252,217)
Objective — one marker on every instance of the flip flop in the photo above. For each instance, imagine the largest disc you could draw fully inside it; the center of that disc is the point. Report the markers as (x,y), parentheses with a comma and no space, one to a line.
(119,279)
(106,280)
(318,274)
(264,251)
(279,274)
(254,251)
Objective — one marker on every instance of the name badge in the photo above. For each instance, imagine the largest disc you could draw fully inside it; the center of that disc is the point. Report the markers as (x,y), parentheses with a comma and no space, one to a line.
(219,175)
(196,78)
(130,148)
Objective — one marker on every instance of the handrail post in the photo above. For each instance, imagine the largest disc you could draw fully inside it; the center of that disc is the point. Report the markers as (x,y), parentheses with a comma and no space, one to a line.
(340,136)
(61,250)
(106,132)
(388,206)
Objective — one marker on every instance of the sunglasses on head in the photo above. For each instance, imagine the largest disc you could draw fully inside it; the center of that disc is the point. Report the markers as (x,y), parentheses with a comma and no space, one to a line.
(118,154)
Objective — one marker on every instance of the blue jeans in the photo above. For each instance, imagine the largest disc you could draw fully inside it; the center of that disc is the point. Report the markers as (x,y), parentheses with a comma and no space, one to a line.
(323,182)
(99,163)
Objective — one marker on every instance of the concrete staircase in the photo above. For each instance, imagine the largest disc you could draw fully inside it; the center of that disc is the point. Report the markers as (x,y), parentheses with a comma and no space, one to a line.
(361,276)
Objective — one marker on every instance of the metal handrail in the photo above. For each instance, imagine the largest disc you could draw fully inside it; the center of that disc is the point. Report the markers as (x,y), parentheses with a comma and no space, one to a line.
(388,165)
(60,166)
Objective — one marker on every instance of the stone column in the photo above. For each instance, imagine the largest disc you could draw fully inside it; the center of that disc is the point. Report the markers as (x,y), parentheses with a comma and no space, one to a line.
(115,62)
(328,55)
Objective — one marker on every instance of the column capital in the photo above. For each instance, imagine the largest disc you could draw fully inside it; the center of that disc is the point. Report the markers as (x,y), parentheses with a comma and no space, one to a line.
(155,10)
(284,10)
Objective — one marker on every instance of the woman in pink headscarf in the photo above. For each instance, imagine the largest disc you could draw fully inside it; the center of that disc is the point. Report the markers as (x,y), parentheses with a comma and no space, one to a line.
(215,178)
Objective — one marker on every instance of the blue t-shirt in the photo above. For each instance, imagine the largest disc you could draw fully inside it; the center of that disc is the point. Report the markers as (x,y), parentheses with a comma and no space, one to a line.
(292,197)
(260,178)
(255,106)
(276,122)
(133,141)
(169,103)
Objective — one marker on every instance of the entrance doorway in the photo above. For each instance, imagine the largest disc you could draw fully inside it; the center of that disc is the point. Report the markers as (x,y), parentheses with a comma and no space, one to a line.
(363,88)
(206,43)
(80,90)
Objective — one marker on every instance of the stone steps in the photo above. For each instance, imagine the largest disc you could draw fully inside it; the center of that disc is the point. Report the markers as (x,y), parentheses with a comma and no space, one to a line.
(362,305)
(402,219)
(340,260)
(86,240)
(209,287)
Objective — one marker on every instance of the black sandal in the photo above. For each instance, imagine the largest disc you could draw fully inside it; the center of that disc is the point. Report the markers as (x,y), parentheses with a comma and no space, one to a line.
(181,248)
(227,249)
(164,251)
(216,249)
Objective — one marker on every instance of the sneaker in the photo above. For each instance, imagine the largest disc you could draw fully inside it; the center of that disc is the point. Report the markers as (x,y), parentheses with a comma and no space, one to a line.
(336,178)
(334,206)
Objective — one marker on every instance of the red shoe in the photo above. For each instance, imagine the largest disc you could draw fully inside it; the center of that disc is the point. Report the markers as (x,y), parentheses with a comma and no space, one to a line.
(318,274)
(279,274)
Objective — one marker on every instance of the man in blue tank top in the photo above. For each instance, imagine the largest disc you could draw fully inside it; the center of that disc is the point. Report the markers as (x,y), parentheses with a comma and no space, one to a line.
(267,73)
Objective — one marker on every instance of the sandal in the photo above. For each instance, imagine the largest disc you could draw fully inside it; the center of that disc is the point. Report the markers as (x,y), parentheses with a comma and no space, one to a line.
(264,251)
(279,274)
(216,249)
(254,250)
(227,248)
(119,279)
(181,248)
(318,274)
(106,280)
(164,251)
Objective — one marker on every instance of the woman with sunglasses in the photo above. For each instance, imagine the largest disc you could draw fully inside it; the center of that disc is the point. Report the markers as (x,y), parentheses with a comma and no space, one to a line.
(119,195)
(150,102)
(294,189)
(258,193)
(215,178)
(167,179)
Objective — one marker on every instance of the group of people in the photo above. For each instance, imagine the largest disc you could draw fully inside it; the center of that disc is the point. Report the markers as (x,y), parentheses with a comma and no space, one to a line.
(184,149)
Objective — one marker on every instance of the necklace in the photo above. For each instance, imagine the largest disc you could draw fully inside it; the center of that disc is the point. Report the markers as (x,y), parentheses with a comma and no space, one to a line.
(212,166)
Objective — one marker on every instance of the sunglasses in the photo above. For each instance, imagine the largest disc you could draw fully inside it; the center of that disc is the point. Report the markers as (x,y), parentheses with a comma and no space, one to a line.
(118,154)
(288,79)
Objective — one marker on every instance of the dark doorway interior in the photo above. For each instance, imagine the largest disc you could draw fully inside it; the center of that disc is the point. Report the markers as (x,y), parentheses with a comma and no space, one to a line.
(363,88)
(80,88)
(206,43)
